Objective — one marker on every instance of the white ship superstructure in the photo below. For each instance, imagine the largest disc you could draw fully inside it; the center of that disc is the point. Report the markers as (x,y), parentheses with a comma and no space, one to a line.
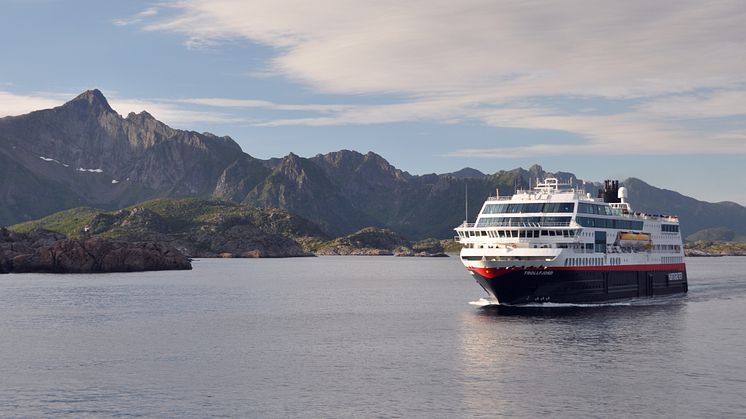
(585,248)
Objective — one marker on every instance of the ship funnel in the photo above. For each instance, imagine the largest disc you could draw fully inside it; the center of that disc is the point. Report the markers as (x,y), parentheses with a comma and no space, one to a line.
(610,192)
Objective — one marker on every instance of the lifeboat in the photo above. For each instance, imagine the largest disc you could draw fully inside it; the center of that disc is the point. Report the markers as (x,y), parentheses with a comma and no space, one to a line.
(634,240)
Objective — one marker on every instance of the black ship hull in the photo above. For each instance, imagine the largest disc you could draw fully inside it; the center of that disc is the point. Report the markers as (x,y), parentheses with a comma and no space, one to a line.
(515,286)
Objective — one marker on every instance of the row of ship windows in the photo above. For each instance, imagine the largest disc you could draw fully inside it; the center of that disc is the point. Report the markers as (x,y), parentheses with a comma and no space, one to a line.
(672,259)
(666,248)
(549,207)
(529,207)
(609,223)
(591,261)
(523,221)
(560,222)
(587,208)
(670,228)
(517,233)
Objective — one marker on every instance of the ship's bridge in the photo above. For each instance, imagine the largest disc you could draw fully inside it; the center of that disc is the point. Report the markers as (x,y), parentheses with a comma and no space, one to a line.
(541,214)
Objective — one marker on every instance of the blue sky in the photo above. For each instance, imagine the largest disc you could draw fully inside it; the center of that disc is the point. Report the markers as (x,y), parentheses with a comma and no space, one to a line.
(604,89)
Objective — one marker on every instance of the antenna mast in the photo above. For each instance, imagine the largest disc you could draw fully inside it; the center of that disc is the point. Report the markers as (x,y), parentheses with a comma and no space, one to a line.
(466,202)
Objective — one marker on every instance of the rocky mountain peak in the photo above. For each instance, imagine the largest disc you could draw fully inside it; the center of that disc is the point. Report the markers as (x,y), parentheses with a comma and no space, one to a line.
(536,171)
(144,115)
(465,173)
(342,159)
(292,166)
(91,101)
(378,160)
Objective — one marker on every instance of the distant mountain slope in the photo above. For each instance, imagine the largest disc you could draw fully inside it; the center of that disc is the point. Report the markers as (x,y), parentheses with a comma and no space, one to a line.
(694,215)
(84,154)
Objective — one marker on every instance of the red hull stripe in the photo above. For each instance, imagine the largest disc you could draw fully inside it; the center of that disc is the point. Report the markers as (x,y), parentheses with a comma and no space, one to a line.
(495,272)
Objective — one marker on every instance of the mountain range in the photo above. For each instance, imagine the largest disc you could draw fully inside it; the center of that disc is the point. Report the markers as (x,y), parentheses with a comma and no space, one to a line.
(83,153)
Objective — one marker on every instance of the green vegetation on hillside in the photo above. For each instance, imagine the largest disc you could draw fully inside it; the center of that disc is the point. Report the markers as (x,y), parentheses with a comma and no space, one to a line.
(69,222)
(373,241)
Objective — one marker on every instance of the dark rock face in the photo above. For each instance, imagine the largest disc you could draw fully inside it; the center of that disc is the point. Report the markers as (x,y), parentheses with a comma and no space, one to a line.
(42,251)
(241,241)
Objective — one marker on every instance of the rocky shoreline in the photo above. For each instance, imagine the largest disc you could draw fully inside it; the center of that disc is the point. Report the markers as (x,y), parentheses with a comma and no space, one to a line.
(49,252)
(715,249)
(374,241)
(702,254)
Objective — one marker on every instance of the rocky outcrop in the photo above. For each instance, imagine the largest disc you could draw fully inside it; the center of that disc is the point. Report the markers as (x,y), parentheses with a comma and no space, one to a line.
(370,241)
(374,241)
(43,251)
(241,241)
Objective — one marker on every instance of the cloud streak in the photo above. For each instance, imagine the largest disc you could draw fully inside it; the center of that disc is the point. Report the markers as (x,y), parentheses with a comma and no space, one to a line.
(265,104)
(138,18)
(15,104)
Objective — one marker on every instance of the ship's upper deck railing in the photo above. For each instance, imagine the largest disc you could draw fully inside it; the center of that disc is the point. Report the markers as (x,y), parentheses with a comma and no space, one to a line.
(519,225)
(656,217)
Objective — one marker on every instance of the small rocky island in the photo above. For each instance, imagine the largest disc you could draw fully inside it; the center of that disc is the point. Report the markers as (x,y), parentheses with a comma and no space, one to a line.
(374,241)
(47,251)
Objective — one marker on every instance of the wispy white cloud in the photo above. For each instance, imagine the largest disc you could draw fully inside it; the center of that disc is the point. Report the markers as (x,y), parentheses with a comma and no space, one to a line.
(137,18)
(264,104)
(15,104)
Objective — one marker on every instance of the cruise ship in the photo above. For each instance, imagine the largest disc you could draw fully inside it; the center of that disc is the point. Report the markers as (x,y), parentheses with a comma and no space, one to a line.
(555,243)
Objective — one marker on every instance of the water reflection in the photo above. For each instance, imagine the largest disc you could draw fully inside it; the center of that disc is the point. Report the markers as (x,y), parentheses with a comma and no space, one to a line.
(529,361)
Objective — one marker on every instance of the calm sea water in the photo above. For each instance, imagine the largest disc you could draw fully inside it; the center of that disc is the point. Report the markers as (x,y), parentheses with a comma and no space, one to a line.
(361,337)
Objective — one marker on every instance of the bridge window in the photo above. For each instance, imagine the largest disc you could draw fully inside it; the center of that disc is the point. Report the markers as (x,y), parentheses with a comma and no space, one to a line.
(670,228)
(586,208)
